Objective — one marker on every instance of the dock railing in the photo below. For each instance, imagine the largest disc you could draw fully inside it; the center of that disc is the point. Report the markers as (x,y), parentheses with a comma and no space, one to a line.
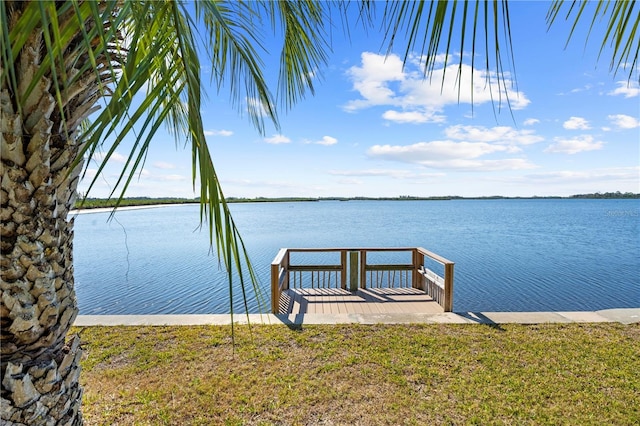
(352,270)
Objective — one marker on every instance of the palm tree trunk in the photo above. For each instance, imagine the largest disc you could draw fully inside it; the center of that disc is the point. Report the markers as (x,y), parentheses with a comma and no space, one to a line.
(39,368)
(39,364)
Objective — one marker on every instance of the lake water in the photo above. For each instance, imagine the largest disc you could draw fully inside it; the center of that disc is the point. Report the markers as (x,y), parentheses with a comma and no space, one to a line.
(510,255)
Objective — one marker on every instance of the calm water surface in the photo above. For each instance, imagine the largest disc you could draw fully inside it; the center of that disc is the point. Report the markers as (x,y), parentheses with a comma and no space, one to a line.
(510,255)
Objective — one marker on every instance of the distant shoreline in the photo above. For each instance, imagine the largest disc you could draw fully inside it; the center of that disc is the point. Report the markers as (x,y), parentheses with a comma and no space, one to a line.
(98,205)
(90,210)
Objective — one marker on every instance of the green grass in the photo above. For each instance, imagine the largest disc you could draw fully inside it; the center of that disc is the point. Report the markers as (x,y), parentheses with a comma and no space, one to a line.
(363,375)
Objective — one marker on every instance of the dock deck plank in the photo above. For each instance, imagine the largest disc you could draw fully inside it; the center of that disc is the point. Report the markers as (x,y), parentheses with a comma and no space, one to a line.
(370,300)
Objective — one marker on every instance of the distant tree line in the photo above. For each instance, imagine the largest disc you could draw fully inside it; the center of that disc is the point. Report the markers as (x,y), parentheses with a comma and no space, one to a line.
(268,200)
(93,203)
(616,194)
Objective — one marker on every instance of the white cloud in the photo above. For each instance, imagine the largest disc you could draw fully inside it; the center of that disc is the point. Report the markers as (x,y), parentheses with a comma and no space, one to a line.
(371,172)
(392,173)
(372,80)
(90,173)
(432,93)
(582,89)
(163,165)
(464,148)
(327,141)
(574,145)
(349,181)
(449,155)
(413,117)
(629,89)
(620,174)
(277,139)
(531,121)
(433,151)
(249,183)
(116,157)
(382,81)
(440,59)
(218,132)
(576,123)
(255,106)
(622,121)
(560,175)
(503,135)
(152,178)
(171,178)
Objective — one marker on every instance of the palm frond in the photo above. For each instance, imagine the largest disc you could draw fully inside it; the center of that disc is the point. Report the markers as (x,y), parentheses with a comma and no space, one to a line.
(158,45)
(234,46)
(616,25)
(55,25)
(429,28)
(304,49)
(143,60)
(162,58)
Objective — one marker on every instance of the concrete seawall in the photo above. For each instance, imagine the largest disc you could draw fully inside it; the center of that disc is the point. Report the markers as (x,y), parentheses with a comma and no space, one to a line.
(623,316)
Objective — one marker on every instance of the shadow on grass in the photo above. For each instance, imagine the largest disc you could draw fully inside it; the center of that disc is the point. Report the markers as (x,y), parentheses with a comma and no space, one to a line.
(295,324)
(480,318)
(297,321)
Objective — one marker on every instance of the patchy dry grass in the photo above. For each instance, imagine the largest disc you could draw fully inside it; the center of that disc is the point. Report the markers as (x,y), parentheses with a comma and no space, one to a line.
(363,375)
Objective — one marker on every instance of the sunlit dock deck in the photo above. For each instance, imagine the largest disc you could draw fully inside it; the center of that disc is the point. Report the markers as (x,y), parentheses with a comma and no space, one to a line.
(360,280)
(364,301)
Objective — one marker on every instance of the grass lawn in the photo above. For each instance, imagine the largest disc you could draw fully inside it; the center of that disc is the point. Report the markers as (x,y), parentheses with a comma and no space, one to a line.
(555,374)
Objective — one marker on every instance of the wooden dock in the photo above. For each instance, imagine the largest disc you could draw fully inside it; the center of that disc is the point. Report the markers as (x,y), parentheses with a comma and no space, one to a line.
(308,281)
(364,301)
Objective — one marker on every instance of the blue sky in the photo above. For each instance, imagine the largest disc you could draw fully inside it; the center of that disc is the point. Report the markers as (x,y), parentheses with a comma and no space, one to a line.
(375,129)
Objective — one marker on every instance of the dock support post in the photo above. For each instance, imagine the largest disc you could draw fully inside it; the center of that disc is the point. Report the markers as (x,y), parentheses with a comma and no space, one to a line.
(343,271)
(275,291)
(279,278)
(353,271)
(363,269)
(417,280)
(448,287)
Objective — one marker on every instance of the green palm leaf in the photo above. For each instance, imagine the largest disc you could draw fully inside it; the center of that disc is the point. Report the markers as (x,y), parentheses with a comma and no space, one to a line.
(430,28)
(620,21)
(143,60)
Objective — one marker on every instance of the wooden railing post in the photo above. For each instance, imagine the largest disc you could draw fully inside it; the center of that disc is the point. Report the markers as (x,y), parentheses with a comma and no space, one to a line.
(353,271)
(285,265)
(363,269)
(417,279)
(448,287)
(280,262)
(343,272)
(275,291)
